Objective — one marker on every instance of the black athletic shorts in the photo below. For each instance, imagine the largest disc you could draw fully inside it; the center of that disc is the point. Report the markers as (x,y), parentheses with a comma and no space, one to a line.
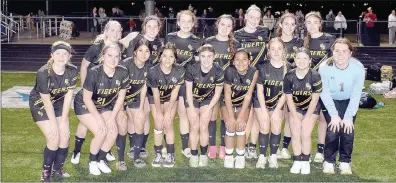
(39,114)
(182,90)
(81,109)
(198,104)
(151,99)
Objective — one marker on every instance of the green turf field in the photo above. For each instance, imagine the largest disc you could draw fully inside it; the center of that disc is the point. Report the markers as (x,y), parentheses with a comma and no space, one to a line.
(374,157)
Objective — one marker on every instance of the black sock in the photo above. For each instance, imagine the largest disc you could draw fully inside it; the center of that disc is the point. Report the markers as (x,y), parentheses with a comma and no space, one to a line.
(286,142)
(61,155)
(274,143)
(222,133)
(49,157)
(78,142)
(247,145)
(263,142)
(170,148)
(212,133)
(131,138)
(102,155)
(138,145)
(158,149)
(194,152)
(121,143)
(252,145)
(145,138)
(297,158)
(93,157)
(184,138)
(320,148)
(305,157)
(204,150)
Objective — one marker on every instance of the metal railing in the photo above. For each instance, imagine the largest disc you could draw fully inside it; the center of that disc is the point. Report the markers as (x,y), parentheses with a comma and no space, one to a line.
(11,26)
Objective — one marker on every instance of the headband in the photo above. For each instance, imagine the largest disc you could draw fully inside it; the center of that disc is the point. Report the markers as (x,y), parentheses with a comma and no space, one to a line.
(60,46)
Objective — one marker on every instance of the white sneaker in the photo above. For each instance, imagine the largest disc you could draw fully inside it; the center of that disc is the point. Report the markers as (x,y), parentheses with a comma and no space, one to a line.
(102,165)
(252,152)
(285,154)
(319,158)
(261,162)
(273,161)
(194,161)
(328,168)
(93,168)
(75,159)
(345,168)
(187,152)
(203,161)
(164,153)
(305,167)
(240,162)
(229,161)
(296,168)
(110,157)
(278,154)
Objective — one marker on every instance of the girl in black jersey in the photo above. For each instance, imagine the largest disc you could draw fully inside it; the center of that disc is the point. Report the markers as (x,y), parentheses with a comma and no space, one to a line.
(187,45)
(98,104)
(225,45)
(164,81)
(270,102)
(254,38)
(302,87)
(240,79)
(204,84)
(49,103)
(111,34)
(319,44)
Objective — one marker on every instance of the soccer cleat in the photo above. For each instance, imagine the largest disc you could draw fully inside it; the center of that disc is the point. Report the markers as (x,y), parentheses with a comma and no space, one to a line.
(240,162)
(45,176)
(187,152)
(139,163)
(93,168)
(261,162)
(285,154)
(164,152)
(194,161)
(228,161)
(247,154)
(75,159)
(157,162)
(170,161)
(273,161)
(328,168)
(144,153)
(222,152)
(121,166)
(305,167)
(296,168)
(212,152)
(60,173)
(252,152)
(319,158)
(203,161)
(104,167)
(130,153)
(345,168)
(110,157)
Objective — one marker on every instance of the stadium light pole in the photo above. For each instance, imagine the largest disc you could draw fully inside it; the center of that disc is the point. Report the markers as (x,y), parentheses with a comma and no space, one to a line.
(149,7)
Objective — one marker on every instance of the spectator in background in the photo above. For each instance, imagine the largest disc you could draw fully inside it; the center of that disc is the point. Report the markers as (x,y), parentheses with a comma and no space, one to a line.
(142,16)
(340,24)
(203,25)
(211,19)
(392,27)
(103,18)
(269,21)
(370,18)
(300,29)
(190,7)
(171,20)
(94,20)
(132,24)
(236,13)
(265,10)
(330,21)
(240,20)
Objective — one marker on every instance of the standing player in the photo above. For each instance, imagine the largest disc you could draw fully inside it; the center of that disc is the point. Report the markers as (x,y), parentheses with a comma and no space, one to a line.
(204,84)
(302,87)
(225,45)
(98,104)
(187,45)
(111,35)
(240,79)
(319,44)
(254,38)
(164,81)
(270,101)
(343,80)
(49,103)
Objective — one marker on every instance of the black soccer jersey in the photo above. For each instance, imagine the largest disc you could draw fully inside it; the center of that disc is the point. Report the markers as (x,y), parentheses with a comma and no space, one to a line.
(55,85)
(204,84)
(137,79)
(272,80)
(291,48)
(93,54)
(223,54)
(302,89)
(164,82)
(320,49)
(155,47)
(105,89)
(240,84)
(186,47)
(255,43)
